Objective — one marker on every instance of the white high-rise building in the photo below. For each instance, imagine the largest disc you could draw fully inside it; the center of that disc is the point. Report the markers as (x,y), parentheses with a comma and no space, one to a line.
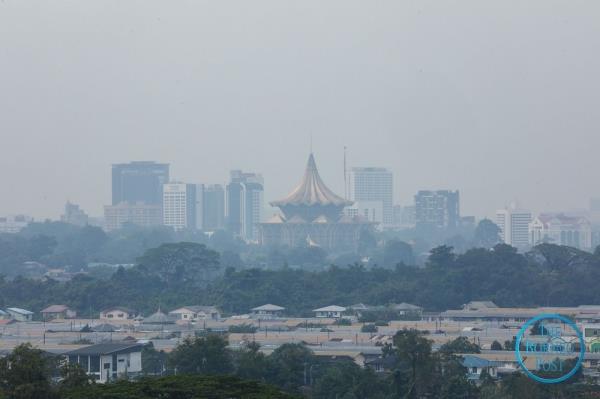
(182,205)
(514,226)
(374,184)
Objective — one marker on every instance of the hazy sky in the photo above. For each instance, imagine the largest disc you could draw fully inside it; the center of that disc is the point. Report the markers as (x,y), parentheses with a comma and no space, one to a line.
(499,99)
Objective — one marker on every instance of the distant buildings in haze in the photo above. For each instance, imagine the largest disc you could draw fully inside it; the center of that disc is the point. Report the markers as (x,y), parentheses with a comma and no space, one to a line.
(372,189)
(437,209)
(514,225)
(137,194)
(14,224)
(74,215)
(182,205)
(139,181)
(560,229)
(245,204)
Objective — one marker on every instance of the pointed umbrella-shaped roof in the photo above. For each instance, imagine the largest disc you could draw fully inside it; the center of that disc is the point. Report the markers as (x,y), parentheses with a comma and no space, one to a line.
(312,190)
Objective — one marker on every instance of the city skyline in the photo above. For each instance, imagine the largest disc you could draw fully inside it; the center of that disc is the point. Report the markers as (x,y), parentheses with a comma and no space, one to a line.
(498,102)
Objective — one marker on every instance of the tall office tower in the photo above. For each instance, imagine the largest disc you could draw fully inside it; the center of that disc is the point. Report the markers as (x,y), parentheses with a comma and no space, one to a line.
(438,209)
(74,215)
(182,206)
(373,184)
(514,226)
(213,207)
(139,182)
(245,204)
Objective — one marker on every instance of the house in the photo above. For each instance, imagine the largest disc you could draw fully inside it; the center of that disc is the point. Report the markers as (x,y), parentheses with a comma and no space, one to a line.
(333,311)
(20,314)
(117,313)
(108,361)
(159,318)
(58,312)
(268,311)
(379,363)
(479,305)
(475,365)
(196,313)
(404,309)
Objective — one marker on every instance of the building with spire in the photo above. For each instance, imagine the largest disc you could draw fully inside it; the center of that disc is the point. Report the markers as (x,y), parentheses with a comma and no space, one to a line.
(313,213)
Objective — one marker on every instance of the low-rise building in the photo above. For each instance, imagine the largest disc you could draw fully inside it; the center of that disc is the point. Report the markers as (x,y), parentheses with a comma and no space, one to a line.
(117,313)
(268,311)
(196,313)
(19,314)
(108,361)
(58,312)
(560,229)
(332,311)
(405,309)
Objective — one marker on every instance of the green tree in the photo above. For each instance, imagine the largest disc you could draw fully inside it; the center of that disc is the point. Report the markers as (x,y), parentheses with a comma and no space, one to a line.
(73,376)
(415,349)
(396,252)
(202,355)
(289,365)
(25,374)
(178,262)
(496,346)
(487,234)
(250,362)
(459,345)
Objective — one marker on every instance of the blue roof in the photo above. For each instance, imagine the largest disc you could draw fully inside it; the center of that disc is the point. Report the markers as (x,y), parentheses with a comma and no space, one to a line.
(475,361)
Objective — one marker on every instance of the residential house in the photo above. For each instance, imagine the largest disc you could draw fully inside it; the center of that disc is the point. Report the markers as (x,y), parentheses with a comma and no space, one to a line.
(268,311)
(20,314)
(476,365)
(192,313)
(117,313)
(58,312)
(108,361)
(332,311)
(405,309)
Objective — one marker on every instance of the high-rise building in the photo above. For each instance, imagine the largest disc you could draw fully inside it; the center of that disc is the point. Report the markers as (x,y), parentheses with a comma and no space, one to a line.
(213,207)
(137,182)
(139,214)
(182,206)
(514,226)
(437,209)
(374,184)
(245,204)
(74,215)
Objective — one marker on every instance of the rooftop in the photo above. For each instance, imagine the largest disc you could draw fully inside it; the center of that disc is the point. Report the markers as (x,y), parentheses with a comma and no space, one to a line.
(106,349)
(312,190)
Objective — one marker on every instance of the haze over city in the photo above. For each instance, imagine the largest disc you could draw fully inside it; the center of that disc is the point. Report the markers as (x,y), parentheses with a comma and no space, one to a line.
(498,100)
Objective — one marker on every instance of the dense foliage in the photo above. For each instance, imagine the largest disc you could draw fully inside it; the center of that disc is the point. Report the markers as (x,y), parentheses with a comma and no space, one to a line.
(547,275)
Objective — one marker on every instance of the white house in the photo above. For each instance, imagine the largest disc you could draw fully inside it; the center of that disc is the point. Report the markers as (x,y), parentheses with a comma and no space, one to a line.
(267,311)
(117,313)
(561,230)
(196,313)
(19,314)
(332,311)
(109,361)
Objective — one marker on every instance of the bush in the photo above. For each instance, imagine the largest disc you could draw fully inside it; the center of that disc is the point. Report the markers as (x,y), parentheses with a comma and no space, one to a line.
(381,323)
(496,346)
(343,322)
(244,328)
(368,328)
